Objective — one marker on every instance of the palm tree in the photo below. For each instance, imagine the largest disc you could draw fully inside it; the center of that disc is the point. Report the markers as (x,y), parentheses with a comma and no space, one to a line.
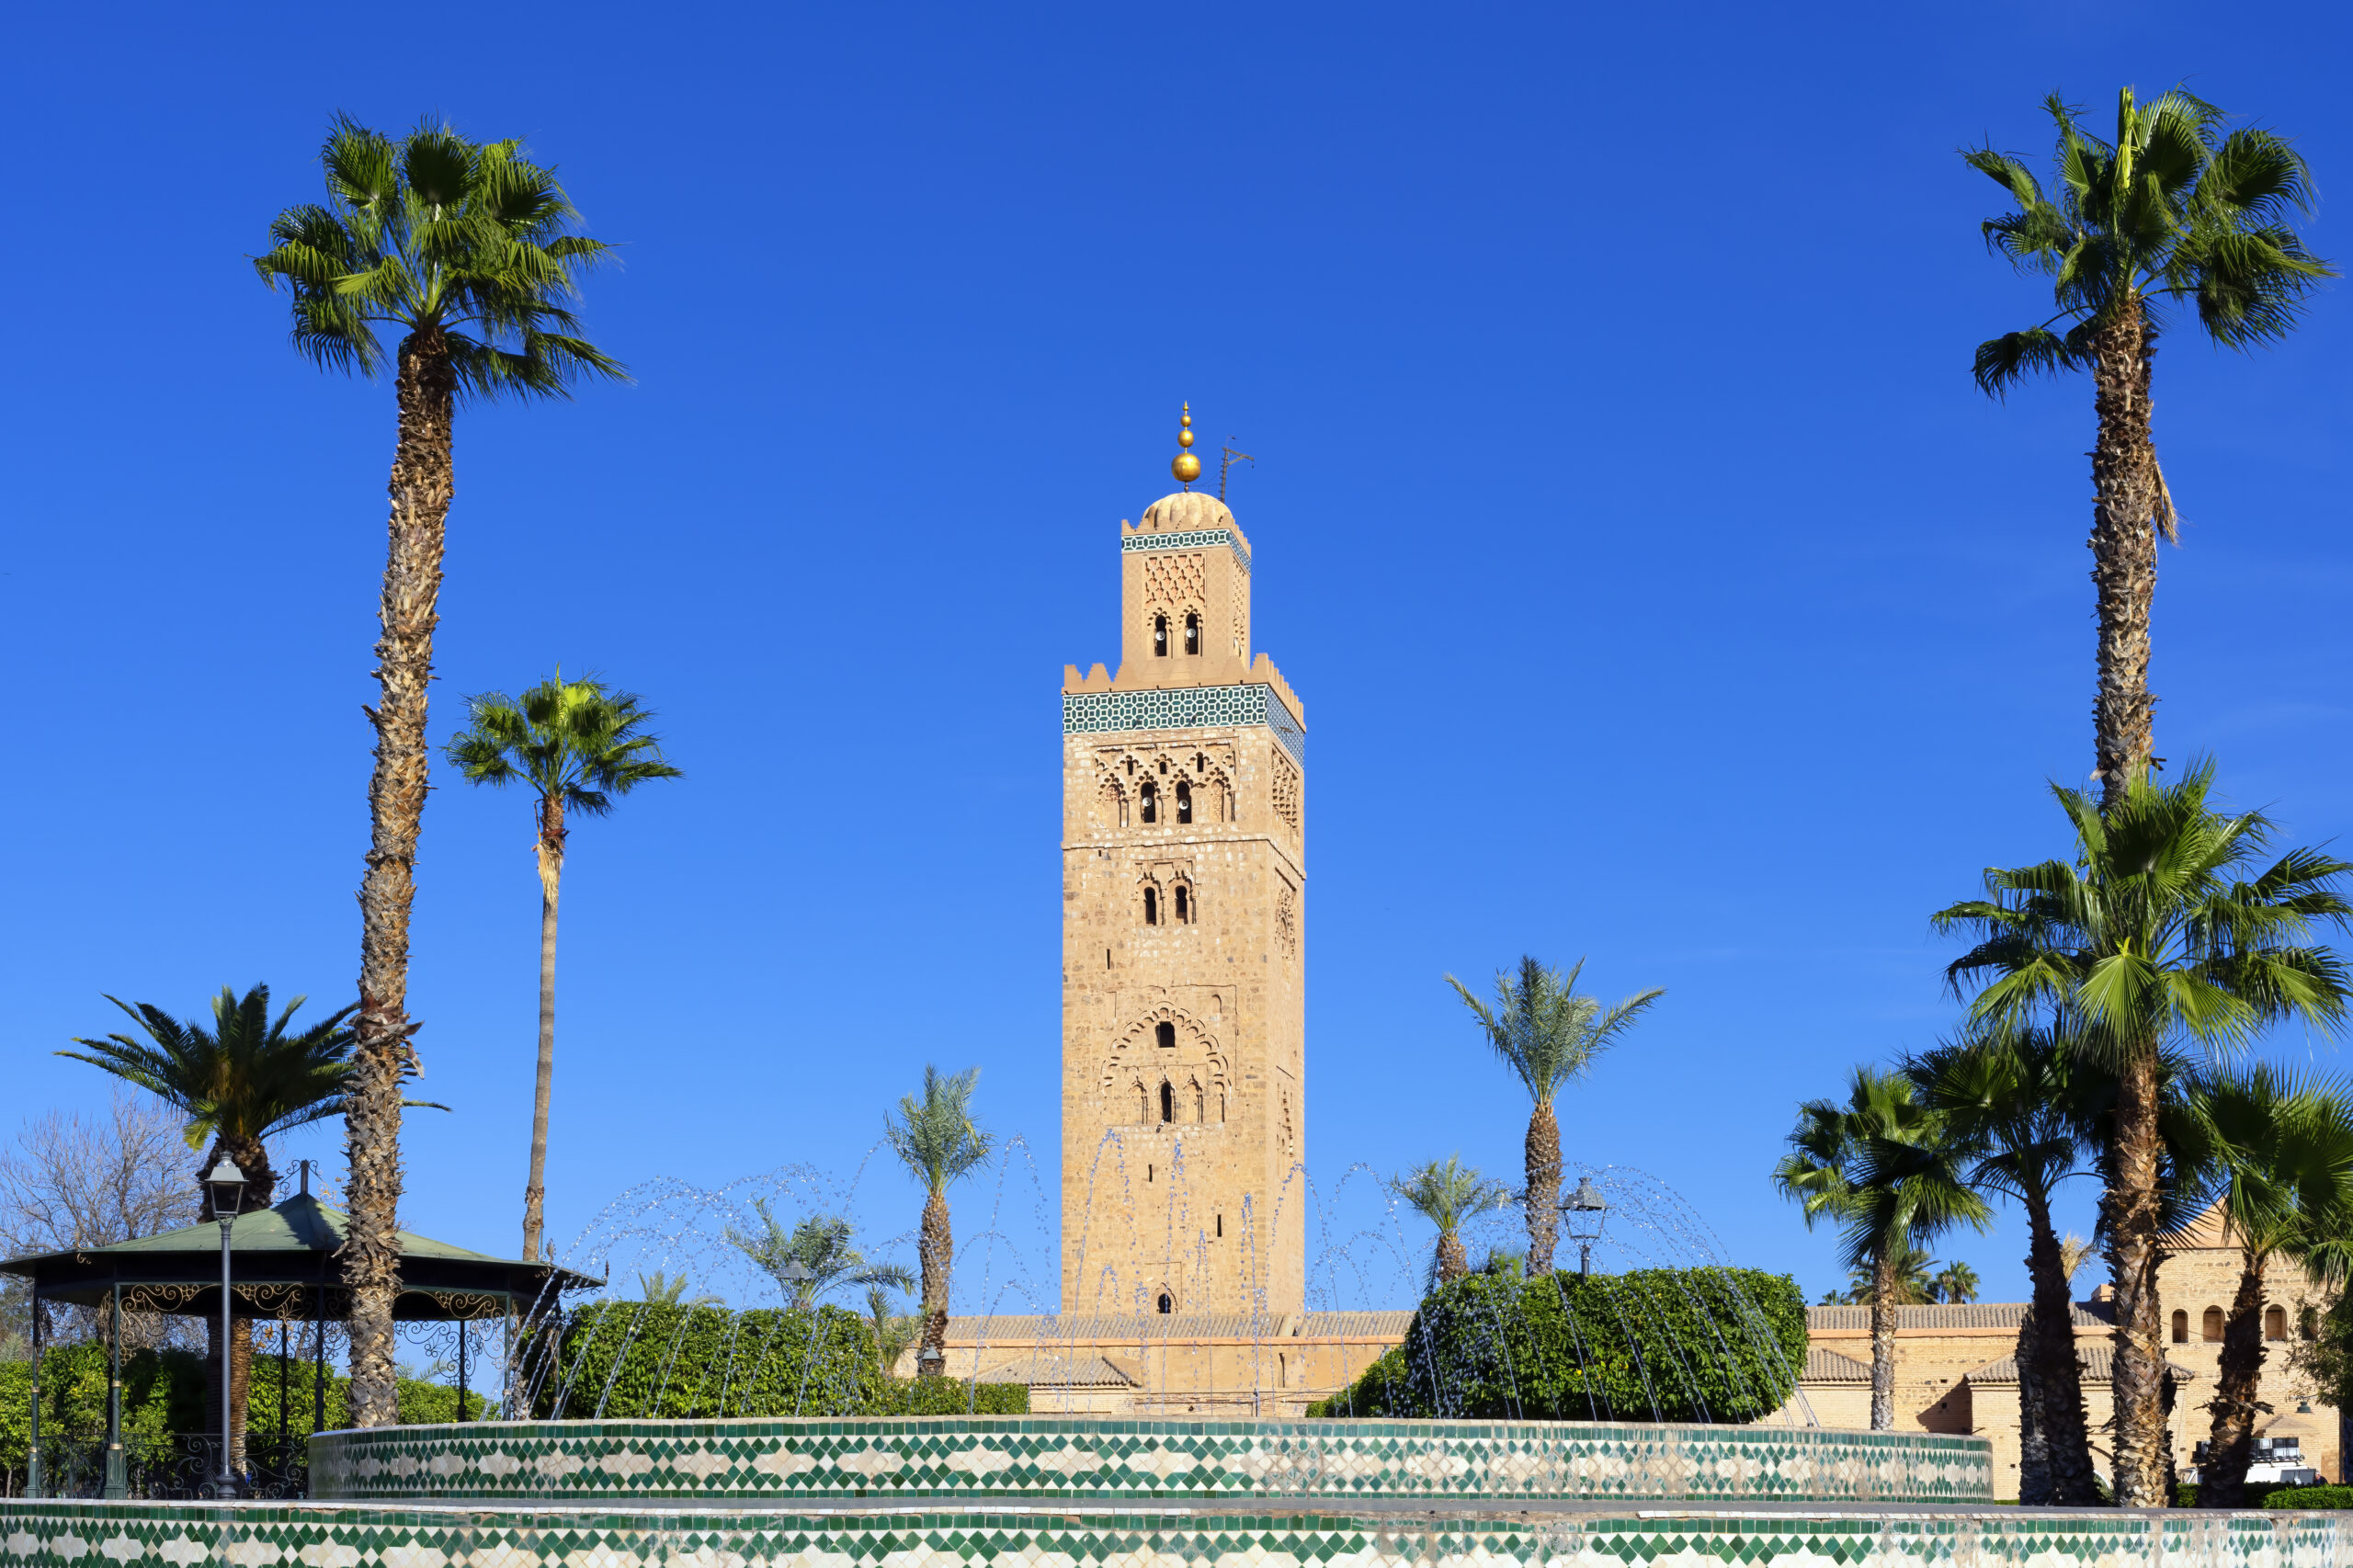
(1446,1193)
(1955,1285)
(1548,1035)
(458,250)
(2016,1104)
(578,745)
(660,1290)
(893,1332)
(2175,209)
(1883,1166)
(2281,1145)
(934,1136)
(1909,1283)
(244,1081)
(2155,938)
(821,1246)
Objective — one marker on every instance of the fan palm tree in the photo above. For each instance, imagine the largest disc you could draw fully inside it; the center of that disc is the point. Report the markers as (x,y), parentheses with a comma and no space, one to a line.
(1955,1285)
(578,745)
(2282,1146)
(1446,1193)
(821,1246)
(1909,1283)
(934,1136)
(1883,1168)
(2159,935)
(2015,1103)
(459,253)
(1548,1035)
(245,1080)
(2176,210)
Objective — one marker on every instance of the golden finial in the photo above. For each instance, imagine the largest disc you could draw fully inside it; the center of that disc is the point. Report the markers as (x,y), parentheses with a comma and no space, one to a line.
(1186,468)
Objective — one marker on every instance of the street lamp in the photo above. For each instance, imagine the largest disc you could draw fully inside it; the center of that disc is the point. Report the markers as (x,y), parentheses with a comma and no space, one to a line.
(226,1186)
(796,1275)
(1586,1209)
(930,1362)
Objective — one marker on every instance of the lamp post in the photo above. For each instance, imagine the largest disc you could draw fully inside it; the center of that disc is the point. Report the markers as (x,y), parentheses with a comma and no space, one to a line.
(795,1275)
(226,1185)
(1586,1209)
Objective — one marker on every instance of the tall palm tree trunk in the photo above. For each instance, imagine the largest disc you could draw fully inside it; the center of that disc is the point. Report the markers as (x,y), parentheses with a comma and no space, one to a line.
(2034,1453)
(2222,1480)
(2129,1210)
(1452,1264)
(2047,1355)
(1543,1199)
(549,850)
(421,488)
(1884,1338)
(2124,550)
(936,1249)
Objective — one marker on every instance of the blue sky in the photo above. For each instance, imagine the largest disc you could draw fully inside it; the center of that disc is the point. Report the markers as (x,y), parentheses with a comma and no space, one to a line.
(1658,586)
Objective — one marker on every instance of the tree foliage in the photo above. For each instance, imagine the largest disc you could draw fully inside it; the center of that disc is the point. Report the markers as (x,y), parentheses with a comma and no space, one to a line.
(1720,1345)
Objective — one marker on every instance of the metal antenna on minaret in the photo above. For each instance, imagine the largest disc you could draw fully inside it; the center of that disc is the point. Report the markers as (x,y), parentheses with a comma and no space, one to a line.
(1225,465)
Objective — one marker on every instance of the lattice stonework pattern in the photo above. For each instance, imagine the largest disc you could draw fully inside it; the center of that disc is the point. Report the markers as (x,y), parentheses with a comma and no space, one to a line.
(1174,582)
(1015,1457)
(260,1535)
(1183,708)
(1192,538)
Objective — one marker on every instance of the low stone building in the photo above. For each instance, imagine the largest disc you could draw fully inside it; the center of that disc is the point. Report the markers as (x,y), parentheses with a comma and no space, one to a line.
(1155,1364)
(1956,1369)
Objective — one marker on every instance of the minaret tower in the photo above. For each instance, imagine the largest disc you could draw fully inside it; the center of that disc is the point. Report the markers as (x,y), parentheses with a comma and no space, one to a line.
(1184,890)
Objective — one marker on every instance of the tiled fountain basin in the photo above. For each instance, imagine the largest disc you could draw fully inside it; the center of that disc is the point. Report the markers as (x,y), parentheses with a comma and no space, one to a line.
(1018,1458)
(1396,1534)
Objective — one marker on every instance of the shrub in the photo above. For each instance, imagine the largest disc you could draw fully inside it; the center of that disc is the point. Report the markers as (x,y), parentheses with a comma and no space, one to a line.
(2306,1497)
(1675,1344)
(947,1396)
(626,1359)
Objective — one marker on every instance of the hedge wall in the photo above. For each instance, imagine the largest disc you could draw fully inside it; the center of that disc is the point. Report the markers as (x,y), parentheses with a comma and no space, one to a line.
(639,1359)
(162,1393)
(1721,1344)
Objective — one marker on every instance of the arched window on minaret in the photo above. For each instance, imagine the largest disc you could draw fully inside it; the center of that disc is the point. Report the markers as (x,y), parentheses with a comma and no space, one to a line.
(1200,1102)
(1151,906)
(1167,1101)
(1183,801)
(1192,632)
(1183,907)
(1150,793)
(1164,1035)
(1160,637)
(1167,1303)
(1143,1102)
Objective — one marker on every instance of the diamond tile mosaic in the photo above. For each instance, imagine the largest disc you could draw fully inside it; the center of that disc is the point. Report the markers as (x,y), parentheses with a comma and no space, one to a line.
(1183,708)
(1192,538)
(1021,1456)
(296,1535)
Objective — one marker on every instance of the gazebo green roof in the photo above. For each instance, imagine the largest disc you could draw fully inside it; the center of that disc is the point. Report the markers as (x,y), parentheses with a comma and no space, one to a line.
(283,1264)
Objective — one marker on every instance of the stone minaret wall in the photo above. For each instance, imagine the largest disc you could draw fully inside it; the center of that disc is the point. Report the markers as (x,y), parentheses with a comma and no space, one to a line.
(1183,919)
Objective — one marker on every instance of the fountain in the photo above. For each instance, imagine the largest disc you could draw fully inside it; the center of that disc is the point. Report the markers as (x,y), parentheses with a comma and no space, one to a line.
(1670,1459)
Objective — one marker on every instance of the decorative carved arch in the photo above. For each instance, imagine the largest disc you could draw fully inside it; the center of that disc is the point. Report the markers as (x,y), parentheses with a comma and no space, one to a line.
(1135,1058)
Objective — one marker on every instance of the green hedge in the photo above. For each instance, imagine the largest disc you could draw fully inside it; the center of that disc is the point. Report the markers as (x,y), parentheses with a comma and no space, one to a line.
(641,1360)
(1721,1344)
(162,1393)
(947,1396)
(2306,1497)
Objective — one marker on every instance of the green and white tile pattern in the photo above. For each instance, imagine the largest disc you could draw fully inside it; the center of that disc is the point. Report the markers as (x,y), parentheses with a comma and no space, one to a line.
(1023,1457)
(193,1535)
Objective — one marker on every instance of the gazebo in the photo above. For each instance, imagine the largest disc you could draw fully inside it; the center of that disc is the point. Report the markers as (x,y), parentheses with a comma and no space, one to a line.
(282,1266)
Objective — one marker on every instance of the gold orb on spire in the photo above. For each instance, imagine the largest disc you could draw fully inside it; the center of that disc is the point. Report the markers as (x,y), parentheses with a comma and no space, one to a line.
(1186,468)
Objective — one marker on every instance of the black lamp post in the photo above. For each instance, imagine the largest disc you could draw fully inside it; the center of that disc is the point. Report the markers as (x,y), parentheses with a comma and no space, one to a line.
(1586,1209)
(795,1275)
(226,1185)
